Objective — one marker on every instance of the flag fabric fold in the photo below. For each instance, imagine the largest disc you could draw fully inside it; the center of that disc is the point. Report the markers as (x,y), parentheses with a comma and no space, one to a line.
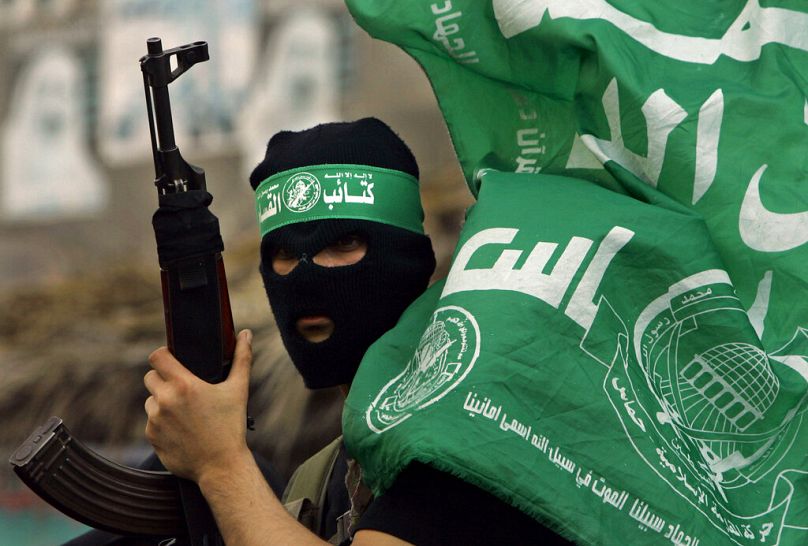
(621,346)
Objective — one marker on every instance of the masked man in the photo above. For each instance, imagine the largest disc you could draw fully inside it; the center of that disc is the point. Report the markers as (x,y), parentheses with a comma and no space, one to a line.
(342,255)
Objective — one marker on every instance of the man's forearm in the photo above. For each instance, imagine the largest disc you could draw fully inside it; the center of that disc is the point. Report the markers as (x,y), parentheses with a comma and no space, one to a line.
(247,511)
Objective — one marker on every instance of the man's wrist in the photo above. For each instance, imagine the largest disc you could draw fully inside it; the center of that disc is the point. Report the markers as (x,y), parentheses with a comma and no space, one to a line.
(214,476)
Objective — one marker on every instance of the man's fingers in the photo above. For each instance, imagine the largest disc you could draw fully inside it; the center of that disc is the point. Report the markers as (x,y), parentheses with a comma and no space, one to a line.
(150,406)
(242,359)
(152,381)
(166,365)
(151,411)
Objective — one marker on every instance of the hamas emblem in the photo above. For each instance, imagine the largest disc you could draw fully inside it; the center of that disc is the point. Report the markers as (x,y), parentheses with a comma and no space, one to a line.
(707,409)
(301,192)
(445,355)
(717,398)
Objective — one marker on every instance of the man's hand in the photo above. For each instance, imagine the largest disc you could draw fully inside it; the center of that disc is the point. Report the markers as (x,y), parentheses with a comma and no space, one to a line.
(198,431)
(196,427)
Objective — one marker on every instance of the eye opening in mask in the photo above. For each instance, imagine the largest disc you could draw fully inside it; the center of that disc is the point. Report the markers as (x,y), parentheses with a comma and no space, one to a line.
(348,249)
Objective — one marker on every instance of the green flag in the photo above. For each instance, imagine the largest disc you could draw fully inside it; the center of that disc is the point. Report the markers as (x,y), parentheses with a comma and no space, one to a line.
(621,352)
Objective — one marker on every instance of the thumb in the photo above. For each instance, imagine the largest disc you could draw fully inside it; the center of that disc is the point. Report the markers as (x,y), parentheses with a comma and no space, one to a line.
(242,360)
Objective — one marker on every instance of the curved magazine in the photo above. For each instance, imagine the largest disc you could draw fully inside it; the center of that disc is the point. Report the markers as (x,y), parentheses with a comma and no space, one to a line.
(96,491)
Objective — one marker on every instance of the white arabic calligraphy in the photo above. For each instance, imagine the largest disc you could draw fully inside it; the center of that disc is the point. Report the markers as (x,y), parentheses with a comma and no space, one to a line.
(443,30)
(752,29)
(342,195)
(530,279)
(662,115)
(767,231)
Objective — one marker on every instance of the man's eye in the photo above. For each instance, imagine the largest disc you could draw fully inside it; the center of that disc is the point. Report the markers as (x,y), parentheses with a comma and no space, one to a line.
(283,254)
(283,261)
(348,243)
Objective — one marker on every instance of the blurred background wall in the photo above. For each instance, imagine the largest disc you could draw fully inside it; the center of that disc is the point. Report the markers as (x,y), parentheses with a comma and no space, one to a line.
(80,304)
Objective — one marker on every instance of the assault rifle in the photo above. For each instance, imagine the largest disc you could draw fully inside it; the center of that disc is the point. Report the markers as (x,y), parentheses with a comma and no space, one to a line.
(199,332)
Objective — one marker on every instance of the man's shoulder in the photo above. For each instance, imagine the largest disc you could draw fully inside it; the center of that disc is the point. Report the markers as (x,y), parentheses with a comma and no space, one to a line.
(311,478)
(305,494)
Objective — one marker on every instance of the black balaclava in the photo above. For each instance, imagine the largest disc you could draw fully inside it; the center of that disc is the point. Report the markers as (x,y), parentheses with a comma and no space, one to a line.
(364,299)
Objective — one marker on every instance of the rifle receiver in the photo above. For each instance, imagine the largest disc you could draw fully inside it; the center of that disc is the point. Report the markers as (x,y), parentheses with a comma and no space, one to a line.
(172,173)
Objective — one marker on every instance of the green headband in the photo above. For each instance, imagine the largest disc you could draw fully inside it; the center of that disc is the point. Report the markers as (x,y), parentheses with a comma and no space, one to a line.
(319,192)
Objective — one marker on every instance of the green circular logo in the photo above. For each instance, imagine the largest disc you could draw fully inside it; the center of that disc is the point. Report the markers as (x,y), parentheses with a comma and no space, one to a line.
(301,192)
(445,355)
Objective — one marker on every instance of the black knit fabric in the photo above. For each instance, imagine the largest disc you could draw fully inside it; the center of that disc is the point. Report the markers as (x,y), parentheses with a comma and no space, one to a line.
(364,299)
(367,141)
